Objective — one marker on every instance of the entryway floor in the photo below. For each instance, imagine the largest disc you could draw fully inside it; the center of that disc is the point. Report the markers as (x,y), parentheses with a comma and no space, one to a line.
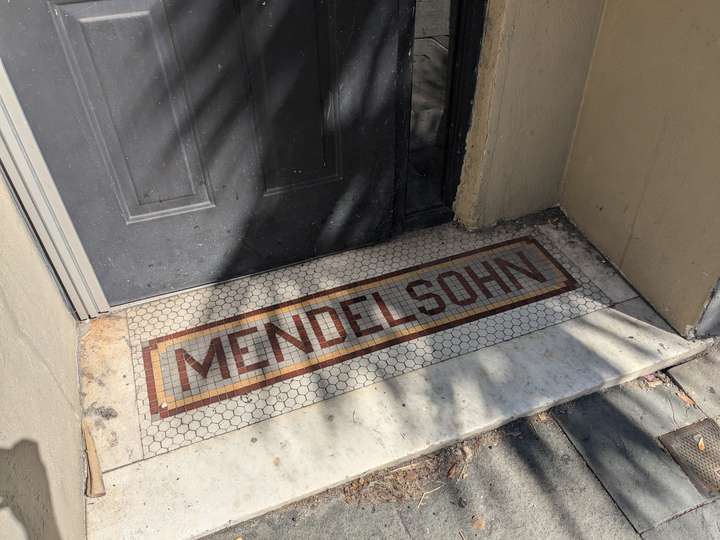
(216,405)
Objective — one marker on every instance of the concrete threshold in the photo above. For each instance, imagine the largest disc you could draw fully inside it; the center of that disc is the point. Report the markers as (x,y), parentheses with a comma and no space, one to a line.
(212,484)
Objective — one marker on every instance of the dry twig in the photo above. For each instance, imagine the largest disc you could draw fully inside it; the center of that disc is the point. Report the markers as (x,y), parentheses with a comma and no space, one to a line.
(422,498)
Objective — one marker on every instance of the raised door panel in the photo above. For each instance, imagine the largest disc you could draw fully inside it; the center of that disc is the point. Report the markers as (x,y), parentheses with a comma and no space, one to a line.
(122,58)
(198,140)
(291,57)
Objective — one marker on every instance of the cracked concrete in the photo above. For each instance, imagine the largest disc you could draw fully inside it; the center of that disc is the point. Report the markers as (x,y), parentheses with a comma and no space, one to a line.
(527,480)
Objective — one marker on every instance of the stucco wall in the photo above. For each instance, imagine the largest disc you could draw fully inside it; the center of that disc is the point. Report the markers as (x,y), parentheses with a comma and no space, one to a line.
(41,469)
(643,178)
(533,67)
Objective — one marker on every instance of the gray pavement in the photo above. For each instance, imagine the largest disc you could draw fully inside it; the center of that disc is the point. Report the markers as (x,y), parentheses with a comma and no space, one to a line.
(616,433)
(701,523)
(524,481)
(700,379)
(592,469)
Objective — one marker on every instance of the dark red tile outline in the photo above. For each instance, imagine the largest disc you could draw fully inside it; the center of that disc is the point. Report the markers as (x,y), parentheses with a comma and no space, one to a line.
(156,409)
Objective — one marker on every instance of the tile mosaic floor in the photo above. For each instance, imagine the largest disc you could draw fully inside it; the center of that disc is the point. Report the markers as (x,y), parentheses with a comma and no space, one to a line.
(428,357)
(220,358)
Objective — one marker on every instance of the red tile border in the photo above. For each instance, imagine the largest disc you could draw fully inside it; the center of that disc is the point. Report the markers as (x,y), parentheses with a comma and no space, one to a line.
(158,409)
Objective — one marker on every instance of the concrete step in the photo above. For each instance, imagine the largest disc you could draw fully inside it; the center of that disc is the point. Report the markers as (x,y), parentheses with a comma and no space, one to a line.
(165,480)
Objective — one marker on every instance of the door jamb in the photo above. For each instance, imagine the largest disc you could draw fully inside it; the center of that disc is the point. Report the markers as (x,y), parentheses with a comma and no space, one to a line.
(468,20)
(470,28)
(403,104)
(31,180)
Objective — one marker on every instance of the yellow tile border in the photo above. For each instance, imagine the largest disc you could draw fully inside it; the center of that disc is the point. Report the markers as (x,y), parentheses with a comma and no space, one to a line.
(329,296)
(238,385)
(161,345)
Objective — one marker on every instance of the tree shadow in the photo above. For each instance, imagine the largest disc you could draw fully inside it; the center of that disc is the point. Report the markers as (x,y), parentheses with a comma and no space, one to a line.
(244,123)
(297,111)
(551,493)
(25,490)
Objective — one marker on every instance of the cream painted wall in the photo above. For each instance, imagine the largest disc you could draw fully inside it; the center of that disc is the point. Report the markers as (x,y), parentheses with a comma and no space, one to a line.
(643,178)
(533,67)
(41,467)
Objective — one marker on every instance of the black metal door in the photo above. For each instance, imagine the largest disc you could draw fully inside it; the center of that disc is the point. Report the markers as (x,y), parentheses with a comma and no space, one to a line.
(197,140)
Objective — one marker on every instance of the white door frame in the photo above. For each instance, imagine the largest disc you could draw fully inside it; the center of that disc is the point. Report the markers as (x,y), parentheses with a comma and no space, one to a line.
(30,177)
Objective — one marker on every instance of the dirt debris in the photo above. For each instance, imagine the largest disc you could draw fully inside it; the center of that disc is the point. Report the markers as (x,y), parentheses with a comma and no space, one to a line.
(420,478)
(478,522)
(690,402)
(102,411)
(653,380)
(415,482)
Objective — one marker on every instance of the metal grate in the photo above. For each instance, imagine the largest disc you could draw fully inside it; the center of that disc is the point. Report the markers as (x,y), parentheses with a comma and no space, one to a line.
(696,448)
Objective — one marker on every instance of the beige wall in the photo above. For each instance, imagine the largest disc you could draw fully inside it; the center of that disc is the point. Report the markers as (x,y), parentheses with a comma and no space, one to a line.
(533,67)
(643,178)
(41,469)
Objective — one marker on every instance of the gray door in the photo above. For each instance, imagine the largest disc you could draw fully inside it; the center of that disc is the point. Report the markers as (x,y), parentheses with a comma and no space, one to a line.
(197,140)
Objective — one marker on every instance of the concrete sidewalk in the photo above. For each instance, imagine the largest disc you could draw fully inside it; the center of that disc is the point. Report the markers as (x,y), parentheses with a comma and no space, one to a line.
(590,469)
